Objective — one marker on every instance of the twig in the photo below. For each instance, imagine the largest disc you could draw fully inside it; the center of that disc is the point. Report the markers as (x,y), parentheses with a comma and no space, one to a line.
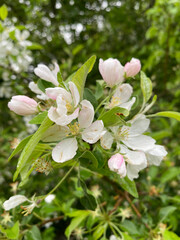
(50,220)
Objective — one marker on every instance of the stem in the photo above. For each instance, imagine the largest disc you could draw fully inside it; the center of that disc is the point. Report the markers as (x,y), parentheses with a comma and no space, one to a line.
(59,183)
(39,217)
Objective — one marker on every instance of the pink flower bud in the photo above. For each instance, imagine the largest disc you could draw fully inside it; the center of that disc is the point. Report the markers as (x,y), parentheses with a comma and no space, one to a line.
(23,105)
(132,68)
(117,164)
(112,71)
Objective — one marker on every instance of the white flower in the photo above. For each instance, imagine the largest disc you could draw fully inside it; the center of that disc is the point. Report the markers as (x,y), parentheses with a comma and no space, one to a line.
(65,150)
(46,74)
(133,136)
(156,155)
(121,97)
(67,102)
(107,140)
(136,161)
(21,37)
(112,71)
(90,132)
(49,198)
(34,88)
(14,201)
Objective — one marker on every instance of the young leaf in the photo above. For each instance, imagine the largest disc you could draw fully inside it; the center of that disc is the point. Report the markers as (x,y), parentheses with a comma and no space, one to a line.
(20,146)
(165,212)
(169,114)
(79,78)
(99,231)
(128,186)
(33,234)
(11,233)
(3,12)
(169,174)
(167,235)
(112,117)
(30,146)
(75,222)
(39,118)
(88,94)
(146,87)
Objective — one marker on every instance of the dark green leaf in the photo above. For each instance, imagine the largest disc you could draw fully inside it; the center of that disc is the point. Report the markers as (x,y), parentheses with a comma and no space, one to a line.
(42,85)
(88,94)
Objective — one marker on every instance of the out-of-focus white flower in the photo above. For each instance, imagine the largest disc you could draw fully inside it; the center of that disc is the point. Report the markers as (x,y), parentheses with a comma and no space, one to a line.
(156,155)
(112,71)
(49,198)
(67,102)
(117,164)
(46,74)
(22,36)
(14,201)
(121,97)
(132,68)
(65,150)
(23,105)
(34,88)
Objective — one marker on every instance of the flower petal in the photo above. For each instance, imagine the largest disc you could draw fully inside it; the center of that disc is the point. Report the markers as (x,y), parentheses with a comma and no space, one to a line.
(86,114)
(107,140)
(65,150)
(123,92)
(93,133)
(55,133)
(139,125)
(75,93)
(128,105)
(156,155)
(14,201)
(141,142)
(64,120)
(54,92)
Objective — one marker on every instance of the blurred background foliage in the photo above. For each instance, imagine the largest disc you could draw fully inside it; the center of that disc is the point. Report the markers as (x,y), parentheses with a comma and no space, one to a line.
(70,31)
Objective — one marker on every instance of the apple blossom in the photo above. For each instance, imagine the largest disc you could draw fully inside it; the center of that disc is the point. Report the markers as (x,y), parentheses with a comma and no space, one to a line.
(23,105)
(117,164)
(49,198)
(121,97)
(112,71)
(67,102)
(136,161)
(132,68)
(46,74)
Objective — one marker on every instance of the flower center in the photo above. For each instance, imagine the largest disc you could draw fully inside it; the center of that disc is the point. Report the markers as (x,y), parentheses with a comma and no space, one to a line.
(114,102)
(123,134)
(74,128)
(69,107)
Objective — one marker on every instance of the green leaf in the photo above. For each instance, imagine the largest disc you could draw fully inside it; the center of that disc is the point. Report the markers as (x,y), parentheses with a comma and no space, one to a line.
(42,85)
(89,155)
(128,186)
(126,236)
(88,95)
(3,12)
(146,87)
(35,46)
(33,234)
(30,146)
(89,202)
(39,118)
(112,117)
(79,78)
(170,174)
(11,233)
(99,89)
(20,146)
(75,222)
(167,235)
(99,231)
(169,114)
(129,227)
(165,212)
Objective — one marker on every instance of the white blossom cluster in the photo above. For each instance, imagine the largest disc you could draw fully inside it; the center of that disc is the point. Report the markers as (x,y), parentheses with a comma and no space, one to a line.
(15,57)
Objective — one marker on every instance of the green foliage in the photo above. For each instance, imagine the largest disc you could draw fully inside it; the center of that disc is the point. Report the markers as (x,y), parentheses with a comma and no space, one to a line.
(3,12)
